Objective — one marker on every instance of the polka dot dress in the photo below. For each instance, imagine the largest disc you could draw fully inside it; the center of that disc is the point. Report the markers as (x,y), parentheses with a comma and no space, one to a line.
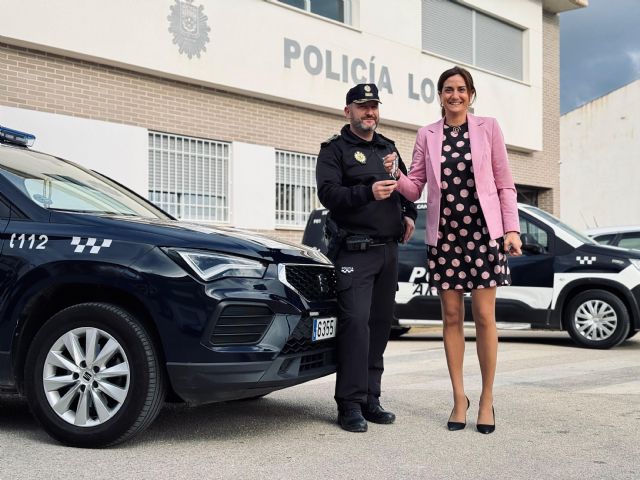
(465,257)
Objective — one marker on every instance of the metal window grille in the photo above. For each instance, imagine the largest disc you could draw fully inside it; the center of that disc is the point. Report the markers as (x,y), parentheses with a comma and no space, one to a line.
(189,177)
(478,40)
(296,191)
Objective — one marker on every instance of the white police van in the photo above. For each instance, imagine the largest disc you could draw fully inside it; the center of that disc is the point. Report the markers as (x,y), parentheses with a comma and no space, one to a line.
(563,281)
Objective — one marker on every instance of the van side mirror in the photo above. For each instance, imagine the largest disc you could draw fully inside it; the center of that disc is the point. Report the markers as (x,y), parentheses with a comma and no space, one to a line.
(532,248)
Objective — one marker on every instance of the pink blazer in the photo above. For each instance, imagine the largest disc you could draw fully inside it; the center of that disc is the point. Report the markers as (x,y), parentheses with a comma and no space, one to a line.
(494,183)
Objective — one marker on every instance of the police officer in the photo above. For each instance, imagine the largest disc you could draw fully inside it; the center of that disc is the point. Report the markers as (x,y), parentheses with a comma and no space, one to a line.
(372,217)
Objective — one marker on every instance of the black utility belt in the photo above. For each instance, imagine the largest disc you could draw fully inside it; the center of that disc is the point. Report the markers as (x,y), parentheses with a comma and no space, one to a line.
(360,243)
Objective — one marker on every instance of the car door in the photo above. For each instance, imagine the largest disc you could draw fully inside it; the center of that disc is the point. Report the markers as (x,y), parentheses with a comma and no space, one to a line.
(414,300)
(529,297)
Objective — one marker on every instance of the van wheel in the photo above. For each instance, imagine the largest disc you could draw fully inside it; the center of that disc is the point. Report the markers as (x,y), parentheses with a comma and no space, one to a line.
(93,377)
(597,319)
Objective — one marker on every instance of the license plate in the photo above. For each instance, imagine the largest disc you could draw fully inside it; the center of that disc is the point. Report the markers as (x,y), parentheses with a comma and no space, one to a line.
(323,328)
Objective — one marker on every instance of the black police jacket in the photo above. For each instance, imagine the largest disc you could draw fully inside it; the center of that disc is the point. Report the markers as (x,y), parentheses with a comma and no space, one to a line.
(347,168)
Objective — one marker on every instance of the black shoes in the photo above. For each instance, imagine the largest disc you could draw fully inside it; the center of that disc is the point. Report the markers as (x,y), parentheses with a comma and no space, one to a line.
(376,414)
(486,428)
(453,426)
(352,420)
(355,419)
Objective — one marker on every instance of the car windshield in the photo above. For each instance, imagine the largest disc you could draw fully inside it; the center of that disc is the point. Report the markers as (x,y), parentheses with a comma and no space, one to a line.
(59,185)
(558,223)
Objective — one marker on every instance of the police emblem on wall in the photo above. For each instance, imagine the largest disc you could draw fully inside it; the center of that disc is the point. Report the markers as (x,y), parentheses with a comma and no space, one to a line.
(188,23)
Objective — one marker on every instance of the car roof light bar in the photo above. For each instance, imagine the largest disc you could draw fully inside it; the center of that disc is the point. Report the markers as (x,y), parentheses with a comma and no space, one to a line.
(16,137)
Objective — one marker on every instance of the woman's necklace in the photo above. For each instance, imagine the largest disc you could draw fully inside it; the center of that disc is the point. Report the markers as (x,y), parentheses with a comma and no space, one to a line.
(455,128)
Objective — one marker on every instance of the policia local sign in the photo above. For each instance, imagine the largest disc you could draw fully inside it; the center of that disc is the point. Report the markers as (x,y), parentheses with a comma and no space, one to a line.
(354,70)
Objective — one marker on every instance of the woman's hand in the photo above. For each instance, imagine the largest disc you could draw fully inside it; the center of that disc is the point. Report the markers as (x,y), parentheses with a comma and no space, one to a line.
(390,163)
(513,244)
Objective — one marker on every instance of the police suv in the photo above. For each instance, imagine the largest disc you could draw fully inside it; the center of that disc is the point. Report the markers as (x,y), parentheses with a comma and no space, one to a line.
(107,303)
(563,281)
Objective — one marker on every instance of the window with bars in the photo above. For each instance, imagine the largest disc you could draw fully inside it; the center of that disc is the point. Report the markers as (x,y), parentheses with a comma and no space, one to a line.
(478,39)
(189,177)
(296,191)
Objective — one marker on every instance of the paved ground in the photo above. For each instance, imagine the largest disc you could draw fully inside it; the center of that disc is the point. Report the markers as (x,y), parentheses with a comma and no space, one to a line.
(562,412)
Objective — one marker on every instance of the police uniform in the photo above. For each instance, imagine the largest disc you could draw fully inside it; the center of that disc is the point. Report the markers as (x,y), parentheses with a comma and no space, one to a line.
(347,167)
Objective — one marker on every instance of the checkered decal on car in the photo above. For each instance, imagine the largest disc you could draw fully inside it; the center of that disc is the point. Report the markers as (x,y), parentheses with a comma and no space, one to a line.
(585,260)
(81,244)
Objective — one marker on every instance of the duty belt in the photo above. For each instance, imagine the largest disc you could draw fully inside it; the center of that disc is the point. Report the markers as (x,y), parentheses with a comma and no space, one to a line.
(381,240)
(360,243)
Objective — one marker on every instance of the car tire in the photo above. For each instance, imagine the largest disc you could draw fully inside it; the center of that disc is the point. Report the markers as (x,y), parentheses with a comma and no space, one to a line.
(632,333)
(597,319)
(97,399)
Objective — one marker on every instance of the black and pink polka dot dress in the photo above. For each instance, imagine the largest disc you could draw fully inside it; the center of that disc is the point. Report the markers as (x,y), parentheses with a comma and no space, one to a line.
(465,257)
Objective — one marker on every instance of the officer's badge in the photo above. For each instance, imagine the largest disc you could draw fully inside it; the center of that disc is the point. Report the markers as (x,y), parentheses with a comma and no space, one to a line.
(360,157)
(367,88)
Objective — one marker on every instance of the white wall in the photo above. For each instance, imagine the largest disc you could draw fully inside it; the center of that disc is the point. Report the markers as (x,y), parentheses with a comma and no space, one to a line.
(600,161)
(248,41)
(115,150)
(252,189)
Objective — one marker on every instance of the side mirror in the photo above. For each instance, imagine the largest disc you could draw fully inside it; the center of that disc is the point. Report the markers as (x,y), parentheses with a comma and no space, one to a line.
(532,248)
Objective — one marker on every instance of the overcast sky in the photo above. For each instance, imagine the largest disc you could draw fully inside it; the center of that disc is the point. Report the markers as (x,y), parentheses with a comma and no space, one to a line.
(599,50)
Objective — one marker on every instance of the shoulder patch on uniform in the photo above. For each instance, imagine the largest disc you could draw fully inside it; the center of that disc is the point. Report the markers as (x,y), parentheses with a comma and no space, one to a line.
(329,140)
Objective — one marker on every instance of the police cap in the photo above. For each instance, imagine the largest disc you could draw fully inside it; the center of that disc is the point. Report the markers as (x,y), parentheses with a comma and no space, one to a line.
(363,92)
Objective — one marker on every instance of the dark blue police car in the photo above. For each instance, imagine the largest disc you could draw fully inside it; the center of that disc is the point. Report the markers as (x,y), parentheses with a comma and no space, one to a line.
(563,281)
(107,303)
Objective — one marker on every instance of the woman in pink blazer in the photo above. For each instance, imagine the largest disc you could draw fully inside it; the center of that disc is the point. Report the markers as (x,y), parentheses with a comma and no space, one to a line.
(472,224)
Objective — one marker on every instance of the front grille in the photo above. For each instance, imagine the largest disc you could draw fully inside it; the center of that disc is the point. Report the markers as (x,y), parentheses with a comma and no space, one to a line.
(311,362)
(313,282)
(300,339)
(241,325)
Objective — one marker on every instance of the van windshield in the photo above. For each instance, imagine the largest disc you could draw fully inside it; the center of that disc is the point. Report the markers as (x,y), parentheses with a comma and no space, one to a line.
(560,224)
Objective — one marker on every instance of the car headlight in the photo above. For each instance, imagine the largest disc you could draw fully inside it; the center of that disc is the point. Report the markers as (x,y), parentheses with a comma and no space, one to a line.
(635,262)
(212,266)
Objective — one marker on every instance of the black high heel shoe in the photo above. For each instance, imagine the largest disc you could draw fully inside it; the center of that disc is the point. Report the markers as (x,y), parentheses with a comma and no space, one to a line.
(453,426)
(486,428)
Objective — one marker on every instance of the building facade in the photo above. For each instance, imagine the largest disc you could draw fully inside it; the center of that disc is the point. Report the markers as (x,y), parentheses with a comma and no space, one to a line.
(600,153)
(215,109)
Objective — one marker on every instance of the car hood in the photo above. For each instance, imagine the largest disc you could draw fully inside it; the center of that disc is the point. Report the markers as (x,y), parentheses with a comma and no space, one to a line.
(181,234)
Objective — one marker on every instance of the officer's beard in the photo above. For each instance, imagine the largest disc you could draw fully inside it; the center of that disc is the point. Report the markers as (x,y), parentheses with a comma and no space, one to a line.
(362,127)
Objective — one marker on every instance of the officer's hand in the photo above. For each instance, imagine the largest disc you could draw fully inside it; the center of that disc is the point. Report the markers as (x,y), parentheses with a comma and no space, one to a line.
(513,244)
(409,228)
(383,189)
(390,163)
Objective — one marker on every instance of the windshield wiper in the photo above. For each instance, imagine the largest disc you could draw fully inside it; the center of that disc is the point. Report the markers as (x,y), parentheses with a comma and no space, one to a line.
(93,212)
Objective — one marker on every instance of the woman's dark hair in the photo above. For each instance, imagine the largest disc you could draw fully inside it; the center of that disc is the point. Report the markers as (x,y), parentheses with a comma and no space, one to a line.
(468,81)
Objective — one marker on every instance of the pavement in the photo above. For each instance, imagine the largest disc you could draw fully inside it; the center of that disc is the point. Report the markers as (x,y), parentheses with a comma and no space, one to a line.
(562,412)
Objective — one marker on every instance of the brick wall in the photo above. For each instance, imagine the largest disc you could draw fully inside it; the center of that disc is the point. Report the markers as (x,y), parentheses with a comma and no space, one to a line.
(52,83)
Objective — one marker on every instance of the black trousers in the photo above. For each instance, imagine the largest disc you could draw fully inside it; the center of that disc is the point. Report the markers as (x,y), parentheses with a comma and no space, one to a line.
(366,284)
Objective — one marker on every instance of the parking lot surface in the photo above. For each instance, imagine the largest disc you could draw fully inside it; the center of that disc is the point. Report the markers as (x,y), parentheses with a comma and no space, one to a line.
(561,412)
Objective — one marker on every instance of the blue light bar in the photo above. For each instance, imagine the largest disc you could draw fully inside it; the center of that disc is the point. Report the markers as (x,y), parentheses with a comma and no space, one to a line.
(16,137)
